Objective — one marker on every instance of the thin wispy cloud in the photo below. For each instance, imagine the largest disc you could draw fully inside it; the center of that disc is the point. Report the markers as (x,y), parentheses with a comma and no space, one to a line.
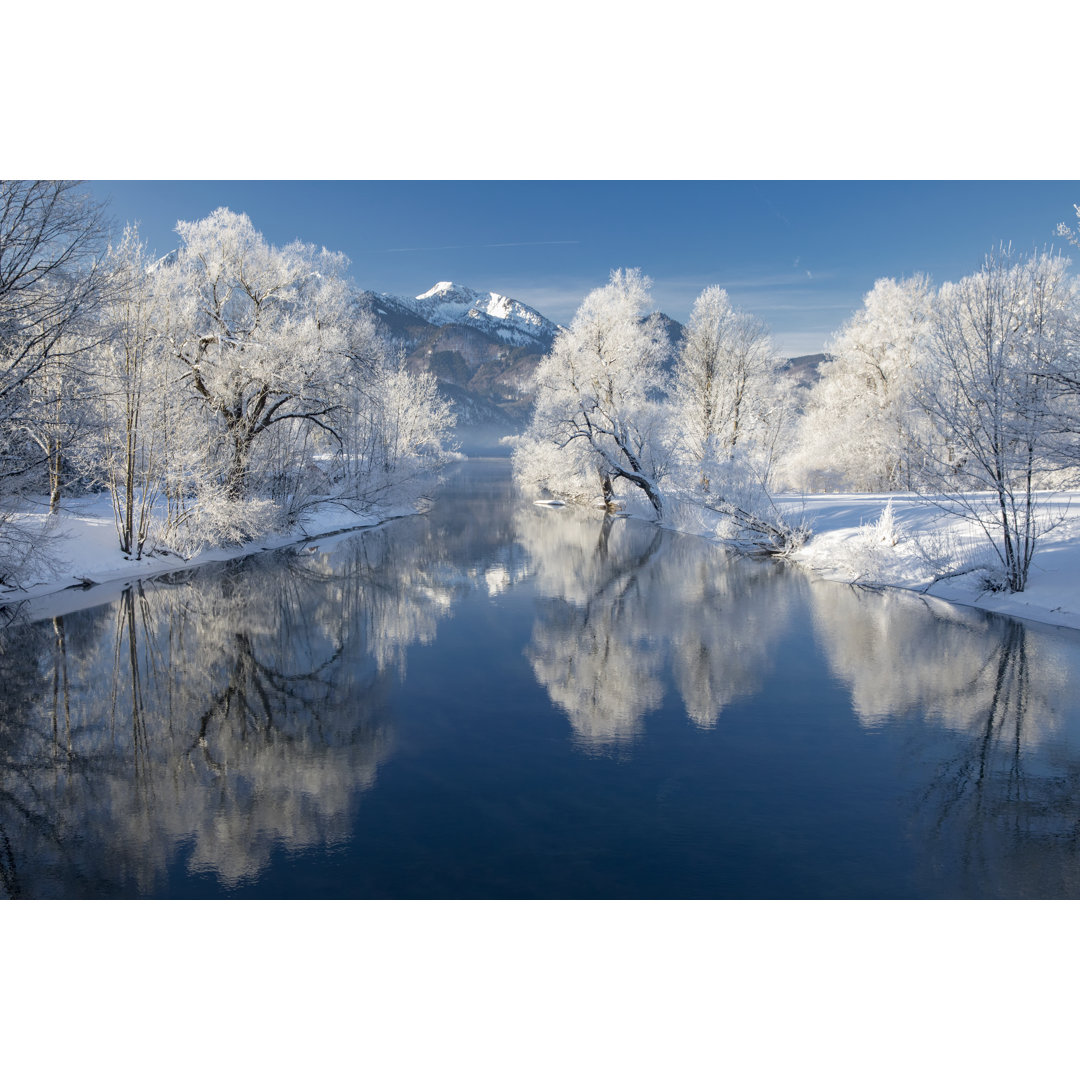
(791,290)
(781,305)
(803,343)
(556,296)
(532,243)
(796,277)
(480,247)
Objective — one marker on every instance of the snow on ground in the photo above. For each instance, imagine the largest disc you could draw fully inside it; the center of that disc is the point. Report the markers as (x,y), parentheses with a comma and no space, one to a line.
(84,551)
(846,546)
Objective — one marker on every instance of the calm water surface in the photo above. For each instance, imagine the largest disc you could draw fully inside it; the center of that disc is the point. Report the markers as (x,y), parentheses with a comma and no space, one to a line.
(500,700)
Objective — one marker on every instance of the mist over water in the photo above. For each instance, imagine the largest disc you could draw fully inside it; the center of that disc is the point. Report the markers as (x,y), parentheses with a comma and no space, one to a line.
(497,699)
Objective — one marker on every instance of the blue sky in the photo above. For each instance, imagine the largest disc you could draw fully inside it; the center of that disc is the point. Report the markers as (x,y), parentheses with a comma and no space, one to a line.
(800,254)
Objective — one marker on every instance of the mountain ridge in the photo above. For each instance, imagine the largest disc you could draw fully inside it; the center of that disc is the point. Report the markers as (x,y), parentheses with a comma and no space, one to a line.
(502,317)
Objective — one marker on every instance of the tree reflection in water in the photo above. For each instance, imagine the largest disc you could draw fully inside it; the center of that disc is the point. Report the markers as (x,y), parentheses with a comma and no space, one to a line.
(230,711)
(1001,806)
(729,721)
(623,602)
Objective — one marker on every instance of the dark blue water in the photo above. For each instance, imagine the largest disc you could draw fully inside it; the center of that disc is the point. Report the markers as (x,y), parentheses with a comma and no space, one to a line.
(499,700)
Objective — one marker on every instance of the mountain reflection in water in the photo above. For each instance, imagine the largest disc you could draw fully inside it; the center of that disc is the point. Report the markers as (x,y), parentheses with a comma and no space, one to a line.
(501,699)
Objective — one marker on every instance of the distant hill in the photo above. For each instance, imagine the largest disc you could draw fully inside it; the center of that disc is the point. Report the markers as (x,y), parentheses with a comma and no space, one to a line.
(804,369)
(673,329)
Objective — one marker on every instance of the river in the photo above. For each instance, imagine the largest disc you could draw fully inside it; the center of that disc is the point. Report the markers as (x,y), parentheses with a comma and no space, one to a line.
(502,700)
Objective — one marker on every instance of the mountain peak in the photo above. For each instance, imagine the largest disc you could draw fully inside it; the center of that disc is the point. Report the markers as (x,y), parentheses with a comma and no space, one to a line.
(444,290)
(499,317)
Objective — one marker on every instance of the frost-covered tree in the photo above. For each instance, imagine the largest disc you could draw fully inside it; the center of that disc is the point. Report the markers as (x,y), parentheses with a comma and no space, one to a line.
(728,406)
(860,425)
(259,332)
(51,277)
(58,418)
(1069,232)
(237,383)
(132,383)
(724,387)
(729,402)
(395,426)
(52,243)
(598,414)
(999,336)
(607,417)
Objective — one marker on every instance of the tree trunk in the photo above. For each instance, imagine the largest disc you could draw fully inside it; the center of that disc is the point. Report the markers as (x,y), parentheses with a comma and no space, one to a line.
(610,506)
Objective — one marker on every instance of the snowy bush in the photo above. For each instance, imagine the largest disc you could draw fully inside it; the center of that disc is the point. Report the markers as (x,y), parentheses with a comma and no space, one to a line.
(883,533)
(219,520)
(869,552)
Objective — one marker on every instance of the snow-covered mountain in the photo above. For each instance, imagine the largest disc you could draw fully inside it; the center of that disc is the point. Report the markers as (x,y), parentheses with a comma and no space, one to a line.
(498,316)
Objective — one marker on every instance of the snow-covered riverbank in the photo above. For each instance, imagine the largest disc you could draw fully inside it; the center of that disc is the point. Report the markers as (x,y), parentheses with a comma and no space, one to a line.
(848,546)
(82,558)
